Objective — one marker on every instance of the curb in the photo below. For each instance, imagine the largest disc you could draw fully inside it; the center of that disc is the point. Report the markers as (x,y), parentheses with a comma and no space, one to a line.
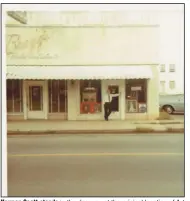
(159,123)
(124,131)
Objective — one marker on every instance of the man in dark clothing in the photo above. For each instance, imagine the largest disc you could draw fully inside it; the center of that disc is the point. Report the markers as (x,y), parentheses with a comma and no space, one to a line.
(108,103)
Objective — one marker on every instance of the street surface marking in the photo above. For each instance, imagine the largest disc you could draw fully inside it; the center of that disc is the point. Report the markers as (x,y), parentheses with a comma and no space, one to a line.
(95,154)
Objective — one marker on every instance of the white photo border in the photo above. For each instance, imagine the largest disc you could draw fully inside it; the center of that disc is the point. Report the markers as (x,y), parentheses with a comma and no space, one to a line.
(73,6)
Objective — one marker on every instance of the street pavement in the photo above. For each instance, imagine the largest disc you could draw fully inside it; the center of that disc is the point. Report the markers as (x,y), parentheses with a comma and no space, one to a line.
(96,165)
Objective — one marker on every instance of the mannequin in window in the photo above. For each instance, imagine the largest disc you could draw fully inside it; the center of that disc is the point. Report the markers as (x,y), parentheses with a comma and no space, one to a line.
(108,103)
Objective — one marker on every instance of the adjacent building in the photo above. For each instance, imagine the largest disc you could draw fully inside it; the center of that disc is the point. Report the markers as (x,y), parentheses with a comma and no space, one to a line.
(172,51)
(171,81)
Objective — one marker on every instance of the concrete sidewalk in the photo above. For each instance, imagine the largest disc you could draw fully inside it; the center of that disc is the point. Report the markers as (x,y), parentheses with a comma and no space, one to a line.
(102,127)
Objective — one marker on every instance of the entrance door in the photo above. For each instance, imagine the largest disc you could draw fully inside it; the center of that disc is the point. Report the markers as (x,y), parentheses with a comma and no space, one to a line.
(114,87)
(35,100)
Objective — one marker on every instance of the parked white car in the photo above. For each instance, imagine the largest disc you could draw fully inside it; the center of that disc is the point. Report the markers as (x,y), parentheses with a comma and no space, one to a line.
(172,103)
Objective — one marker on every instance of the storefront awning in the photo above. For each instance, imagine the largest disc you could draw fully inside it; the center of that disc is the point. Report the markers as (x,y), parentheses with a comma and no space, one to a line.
(79,72)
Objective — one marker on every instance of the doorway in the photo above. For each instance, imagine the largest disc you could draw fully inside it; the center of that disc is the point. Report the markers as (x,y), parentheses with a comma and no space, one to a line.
(35,100)
(115,88)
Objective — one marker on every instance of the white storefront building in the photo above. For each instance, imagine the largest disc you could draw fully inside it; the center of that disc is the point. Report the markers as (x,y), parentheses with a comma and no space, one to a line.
(63,72)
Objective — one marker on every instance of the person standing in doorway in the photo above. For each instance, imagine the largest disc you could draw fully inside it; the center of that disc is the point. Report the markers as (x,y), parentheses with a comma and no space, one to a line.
(108,103)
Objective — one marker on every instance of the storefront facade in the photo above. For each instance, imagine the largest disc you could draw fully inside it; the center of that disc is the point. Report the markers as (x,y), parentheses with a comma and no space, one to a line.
(51,78)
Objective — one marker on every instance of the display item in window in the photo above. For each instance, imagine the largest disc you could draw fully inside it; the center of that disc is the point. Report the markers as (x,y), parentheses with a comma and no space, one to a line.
(85,108)
(132,106)
(90,92)
(142,107)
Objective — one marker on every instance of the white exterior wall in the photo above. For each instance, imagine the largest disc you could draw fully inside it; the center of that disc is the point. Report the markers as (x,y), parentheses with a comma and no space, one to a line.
(172,76)
(73,100)
(83,45)
(153,95)
(134,44)
(169,17)
(172,48)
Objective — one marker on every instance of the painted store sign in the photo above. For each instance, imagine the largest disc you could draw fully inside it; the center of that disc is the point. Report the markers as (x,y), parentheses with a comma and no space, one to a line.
(23,47)
(81,46)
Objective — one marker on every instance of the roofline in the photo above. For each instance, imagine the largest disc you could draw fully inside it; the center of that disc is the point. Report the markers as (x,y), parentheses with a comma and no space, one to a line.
(84,26)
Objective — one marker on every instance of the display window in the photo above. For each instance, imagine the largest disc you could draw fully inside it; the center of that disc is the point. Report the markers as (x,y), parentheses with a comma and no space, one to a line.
(90,96)
(136,96)
(14,96)
(57,92)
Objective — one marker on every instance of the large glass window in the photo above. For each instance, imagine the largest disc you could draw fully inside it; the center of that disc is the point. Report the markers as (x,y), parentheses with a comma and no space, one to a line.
(57,96)
(14,96)
(90,96)
(136,96)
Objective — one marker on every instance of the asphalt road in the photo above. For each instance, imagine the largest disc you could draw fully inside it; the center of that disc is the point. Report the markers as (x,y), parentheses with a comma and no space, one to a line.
(96,165)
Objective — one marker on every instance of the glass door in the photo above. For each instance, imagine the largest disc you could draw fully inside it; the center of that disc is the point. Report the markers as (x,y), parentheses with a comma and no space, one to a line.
(36,98)
(35,101)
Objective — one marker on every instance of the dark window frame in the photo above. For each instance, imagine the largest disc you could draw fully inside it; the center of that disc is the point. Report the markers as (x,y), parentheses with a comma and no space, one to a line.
(14,94)
(55,93)
(134,96)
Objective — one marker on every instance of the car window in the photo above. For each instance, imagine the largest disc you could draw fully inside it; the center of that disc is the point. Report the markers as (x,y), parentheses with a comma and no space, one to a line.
(182,98)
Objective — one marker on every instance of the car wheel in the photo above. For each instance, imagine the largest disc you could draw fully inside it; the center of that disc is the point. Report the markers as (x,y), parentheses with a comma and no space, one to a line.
(169,109)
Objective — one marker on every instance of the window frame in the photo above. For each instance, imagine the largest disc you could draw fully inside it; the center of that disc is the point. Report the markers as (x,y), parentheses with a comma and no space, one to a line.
(89,105)
(162,68)
(13,98)
(172,81)
(145,83)
(172,68)
(50,97)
